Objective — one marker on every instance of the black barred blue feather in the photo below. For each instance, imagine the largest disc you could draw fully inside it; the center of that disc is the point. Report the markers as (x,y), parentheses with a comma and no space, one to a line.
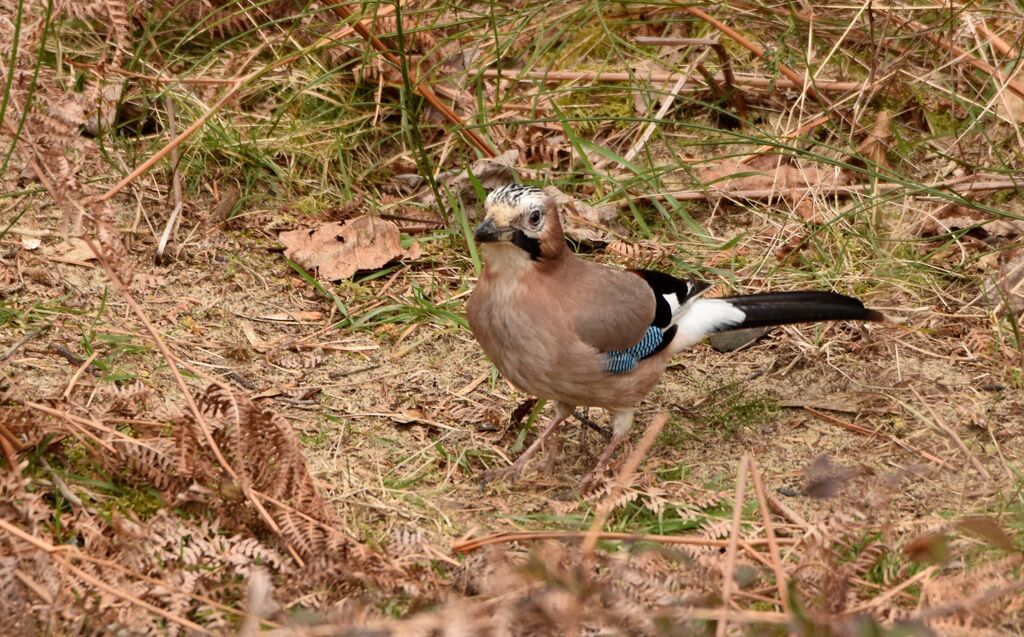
(626,360)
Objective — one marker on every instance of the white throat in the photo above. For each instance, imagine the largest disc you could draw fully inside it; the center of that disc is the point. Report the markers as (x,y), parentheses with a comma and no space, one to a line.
(505,259)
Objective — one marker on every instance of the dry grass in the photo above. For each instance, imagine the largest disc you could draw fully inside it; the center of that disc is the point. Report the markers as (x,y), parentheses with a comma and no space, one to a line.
(225,444)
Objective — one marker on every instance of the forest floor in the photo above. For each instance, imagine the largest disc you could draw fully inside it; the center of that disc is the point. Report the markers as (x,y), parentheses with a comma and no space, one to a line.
(824,479)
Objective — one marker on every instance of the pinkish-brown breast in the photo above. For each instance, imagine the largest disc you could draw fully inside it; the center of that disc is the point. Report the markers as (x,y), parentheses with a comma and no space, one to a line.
(531,322)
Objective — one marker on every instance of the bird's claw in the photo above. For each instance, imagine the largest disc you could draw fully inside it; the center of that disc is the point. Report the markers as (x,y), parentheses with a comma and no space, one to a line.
(590,481)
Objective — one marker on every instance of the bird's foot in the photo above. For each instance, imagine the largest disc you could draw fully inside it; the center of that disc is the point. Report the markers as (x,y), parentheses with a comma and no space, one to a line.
(590,482)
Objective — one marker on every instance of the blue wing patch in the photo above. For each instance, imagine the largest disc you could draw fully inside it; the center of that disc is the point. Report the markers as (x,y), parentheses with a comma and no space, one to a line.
(625,360)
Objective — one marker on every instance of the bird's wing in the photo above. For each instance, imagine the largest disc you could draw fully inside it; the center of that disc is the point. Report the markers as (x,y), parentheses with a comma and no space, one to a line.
(608,309)
(613,310)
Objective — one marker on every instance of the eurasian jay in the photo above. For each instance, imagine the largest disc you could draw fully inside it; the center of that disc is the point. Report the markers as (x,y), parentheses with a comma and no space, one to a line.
(580,333)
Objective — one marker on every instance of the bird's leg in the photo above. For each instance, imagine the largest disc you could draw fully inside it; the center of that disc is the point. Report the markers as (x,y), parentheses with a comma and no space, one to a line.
(622,422)
(552,451)
(562,411)
(584,418)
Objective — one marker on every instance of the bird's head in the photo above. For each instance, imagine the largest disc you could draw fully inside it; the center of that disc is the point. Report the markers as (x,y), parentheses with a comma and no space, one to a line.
(521,221)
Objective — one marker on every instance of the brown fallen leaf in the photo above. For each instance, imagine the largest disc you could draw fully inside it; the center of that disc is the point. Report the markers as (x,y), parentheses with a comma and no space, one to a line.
(875,145)
(950,217)
(825,479)
(584,223)
(1009,104)
(257,343)
(989,530)
(74,251)
(930,548)
(338,251)
(491,173)
(1005,288)
(228,198)
(775,173)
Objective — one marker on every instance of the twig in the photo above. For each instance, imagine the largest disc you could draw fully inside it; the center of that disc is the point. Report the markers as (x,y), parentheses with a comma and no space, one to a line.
(723,59)
(128,597)
(468,546)
(18,344)
(627,470)
(949,432)
(34,586)
(86,364)
(957,185)
(734,538)
(57,553)
(62,486)
(172,220)
(872,434)
(750,81)
(892,592)
(9,447)
(40,544)
(721,615)
(779,507)
(971,603)
(422,88)
(715,45)
(145,166)
(755,49)
(70,356)
(163,583)
(31,232)
(666,104)
(769,530)
(1012,84)
(78,426)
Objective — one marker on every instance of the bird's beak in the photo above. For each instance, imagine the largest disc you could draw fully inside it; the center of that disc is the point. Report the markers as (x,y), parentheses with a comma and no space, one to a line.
(488,231)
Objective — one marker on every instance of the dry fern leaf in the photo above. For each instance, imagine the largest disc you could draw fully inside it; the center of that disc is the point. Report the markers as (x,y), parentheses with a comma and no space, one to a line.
(264,451)
(223,18)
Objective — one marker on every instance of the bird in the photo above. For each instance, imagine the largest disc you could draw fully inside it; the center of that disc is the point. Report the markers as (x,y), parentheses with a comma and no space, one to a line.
(580,333)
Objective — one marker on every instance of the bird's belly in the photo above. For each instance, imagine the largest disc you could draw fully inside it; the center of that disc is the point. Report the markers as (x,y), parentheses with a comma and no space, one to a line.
(549,361)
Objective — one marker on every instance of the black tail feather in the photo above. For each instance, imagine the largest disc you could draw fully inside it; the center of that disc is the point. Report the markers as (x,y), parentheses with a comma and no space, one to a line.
(782,308)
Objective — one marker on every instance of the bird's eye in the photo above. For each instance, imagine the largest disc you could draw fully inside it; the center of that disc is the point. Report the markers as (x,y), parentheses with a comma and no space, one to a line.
(534,217)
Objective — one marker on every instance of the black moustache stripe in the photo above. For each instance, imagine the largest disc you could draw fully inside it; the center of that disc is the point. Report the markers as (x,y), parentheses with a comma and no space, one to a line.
(530,245)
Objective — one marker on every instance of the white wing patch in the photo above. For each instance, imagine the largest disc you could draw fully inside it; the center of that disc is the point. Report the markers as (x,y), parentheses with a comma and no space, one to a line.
(673,302)
(700,317)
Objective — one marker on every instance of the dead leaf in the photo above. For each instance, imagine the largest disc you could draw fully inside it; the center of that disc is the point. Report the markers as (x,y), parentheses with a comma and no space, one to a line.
(255,341)
(792,180)
(338,251)
(491,173)
(930,548)
(876,145)
(584,223)
(825,479)
(989,530)
(1005,288)
(229,197)
(1010,105)
(31,243)
(950,217)
(74,251)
